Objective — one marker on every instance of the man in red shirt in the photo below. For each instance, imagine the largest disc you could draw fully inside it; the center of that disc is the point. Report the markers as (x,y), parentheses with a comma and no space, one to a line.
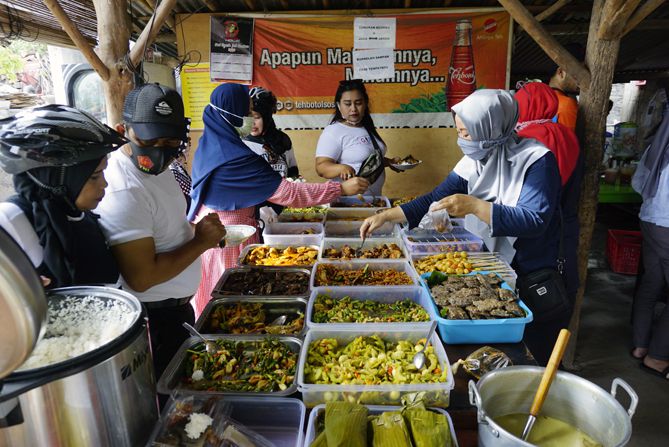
(566,88)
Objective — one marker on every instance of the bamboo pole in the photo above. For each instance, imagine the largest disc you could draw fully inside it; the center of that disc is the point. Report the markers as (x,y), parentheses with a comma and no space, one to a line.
(547,42)
(552,9)
(644,11)
(151,30)
(79,40)
(614,17)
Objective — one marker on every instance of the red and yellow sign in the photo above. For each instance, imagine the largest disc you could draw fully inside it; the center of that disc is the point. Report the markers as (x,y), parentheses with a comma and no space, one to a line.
(302,60)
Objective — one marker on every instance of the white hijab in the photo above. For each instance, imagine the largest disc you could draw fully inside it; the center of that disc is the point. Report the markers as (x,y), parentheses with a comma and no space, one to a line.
(490,117)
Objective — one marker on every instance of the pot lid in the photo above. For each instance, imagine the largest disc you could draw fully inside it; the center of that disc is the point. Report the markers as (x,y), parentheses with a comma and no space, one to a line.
(22,305)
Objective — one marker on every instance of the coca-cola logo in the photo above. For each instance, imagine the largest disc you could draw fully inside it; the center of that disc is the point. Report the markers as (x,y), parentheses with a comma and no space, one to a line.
(490,26)
(464,75)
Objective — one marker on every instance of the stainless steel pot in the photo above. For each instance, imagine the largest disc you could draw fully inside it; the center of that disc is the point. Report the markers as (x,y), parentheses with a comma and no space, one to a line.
(105,397)
(571,399)
(22,305)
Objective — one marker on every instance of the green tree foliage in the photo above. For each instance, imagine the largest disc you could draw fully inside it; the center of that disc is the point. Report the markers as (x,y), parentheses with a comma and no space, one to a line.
(10,64)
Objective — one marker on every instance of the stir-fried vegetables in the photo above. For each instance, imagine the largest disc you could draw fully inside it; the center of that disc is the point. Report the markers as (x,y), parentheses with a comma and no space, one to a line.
(370,361)
(251,318)
(331,275)
(263,366)
(349,310)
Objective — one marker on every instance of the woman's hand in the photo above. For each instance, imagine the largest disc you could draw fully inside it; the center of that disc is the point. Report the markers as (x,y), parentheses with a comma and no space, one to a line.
(353,186)
(345,172)
(372,223)
(459,205)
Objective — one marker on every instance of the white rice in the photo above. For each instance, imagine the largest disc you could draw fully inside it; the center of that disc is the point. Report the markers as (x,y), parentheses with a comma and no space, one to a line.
(197,424)
(77,325)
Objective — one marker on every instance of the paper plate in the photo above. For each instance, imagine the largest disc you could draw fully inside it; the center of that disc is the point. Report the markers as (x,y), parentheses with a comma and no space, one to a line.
(237,234)
(402,167)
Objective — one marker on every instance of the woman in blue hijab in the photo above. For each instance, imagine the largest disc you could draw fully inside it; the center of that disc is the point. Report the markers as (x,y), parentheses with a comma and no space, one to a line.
(231,180)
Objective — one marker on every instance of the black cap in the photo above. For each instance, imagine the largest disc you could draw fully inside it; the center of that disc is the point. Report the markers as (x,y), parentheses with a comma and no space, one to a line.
(155,111)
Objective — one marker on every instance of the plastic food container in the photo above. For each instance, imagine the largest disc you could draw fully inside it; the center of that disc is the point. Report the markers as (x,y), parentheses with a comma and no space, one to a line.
(355,202)
(244,253)
(273,307)
(400,266)
(505,271)
(351,229)
(349,214)
(420,241)
(319,410)
(175,371)
(499,330)
(369,244)
(280,420)
(222,289)
(292,233)
(437,394)
(307,216)
(379,294)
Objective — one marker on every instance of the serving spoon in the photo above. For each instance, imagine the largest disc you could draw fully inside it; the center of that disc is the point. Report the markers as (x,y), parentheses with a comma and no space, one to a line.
(419,358)
(209,345)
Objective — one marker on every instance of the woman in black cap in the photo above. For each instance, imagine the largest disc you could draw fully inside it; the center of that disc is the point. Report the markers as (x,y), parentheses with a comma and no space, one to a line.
(57,155)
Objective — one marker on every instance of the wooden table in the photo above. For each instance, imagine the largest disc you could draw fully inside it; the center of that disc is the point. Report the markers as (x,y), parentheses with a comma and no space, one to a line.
(461,412)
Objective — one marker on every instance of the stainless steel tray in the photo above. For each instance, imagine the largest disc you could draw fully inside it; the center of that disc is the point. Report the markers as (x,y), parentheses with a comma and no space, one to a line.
(248,248)
(175,371)
(274,307)
(219,291)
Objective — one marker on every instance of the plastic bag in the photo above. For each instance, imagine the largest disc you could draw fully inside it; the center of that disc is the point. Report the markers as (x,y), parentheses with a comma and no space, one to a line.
(483,360)
(436,220)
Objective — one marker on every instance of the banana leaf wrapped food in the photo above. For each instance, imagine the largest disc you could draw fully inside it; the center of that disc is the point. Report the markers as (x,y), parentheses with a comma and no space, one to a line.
(345,426)
(390,430)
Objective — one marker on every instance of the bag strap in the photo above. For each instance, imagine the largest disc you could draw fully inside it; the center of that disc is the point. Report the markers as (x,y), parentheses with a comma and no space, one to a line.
(561,260)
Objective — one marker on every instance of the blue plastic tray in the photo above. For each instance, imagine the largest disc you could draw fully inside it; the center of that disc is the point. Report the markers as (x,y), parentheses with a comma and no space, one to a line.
(503,330)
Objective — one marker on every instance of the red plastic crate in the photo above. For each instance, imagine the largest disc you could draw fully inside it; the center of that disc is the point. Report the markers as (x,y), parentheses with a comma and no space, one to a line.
(623,251)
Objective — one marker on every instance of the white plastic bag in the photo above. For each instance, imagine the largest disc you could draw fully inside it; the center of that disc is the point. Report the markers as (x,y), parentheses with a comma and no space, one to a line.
(436,220)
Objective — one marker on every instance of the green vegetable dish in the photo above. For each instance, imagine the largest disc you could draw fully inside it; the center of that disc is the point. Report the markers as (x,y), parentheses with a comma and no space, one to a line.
(241,366)
(370,361)
(350,310)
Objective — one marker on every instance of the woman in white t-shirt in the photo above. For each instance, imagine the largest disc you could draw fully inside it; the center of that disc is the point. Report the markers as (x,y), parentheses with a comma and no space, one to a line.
(346,145)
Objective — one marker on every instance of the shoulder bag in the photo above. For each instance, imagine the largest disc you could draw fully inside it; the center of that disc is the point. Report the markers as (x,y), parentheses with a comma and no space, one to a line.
(373,166)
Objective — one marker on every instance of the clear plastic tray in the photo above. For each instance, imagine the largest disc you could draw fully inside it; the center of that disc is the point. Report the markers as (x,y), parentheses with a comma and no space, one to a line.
(401,266)
(437,394)
(175,371)
(379,294)
(505,271)
(369,244)
(244,253)
(274,308)
(354,202)
(311,216)
(432,241)
(220,289)
(279,419)
(349,214)
(351,229)
(499,330)
(318,410)
(291,233)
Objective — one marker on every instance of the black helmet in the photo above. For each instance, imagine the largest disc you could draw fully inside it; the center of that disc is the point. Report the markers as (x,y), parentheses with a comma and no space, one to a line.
(53,135)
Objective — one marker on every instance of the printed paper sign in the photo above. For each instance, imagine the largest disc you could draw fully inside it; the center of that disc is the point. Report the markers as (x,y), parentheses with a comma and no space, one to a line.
(373,64)
(374,32)
(231,56)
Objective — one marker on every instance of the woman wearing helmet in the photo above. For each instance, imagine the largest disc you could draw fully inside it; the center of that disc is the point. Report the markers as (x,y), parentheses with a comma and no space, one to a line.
(57,155)
(268,141)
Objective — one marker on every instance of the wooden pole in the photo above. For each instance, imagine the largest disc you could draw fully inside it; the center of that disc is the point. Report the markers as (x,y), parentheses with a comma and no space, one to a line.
(151,30)
(552,9)
(601,56)
(641,13)
(151,4)
(614,17)
(79,40)
(547,42)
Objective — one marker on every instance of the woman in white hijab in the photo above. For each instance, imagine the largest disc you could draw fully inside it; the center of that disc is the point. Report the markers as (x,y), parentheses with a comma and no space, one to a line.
(507,188)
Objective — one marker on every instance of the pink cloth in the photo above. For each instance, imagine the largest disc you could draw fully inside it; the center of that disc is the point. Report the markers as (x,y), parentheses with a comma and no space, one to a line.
(216,260)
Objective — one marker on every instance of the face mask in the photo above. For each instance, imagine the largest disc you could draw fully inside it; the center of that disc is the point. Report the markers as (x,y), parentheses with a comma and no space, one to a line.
(247,122)
(473,149)
(152,160)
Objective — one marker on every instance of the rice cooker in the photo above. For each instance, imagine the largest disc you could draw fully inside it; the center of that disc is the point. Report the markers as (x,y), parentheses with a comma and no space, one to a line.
(102,396)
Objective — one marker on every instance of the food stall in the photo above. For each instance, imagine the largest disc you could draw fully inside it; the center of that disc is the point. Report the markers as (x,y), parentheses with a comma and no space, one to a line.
(323,327)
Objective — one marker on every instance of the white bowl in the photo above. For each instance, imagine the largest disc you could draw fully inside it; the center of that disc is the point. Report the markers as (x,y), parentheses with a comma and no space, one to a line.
(405,167)
(237,234)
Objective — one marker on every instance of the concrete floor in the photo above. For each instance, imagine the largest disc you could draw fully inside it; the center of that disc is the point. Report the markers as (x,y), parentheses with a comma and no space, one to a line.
(604,339)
